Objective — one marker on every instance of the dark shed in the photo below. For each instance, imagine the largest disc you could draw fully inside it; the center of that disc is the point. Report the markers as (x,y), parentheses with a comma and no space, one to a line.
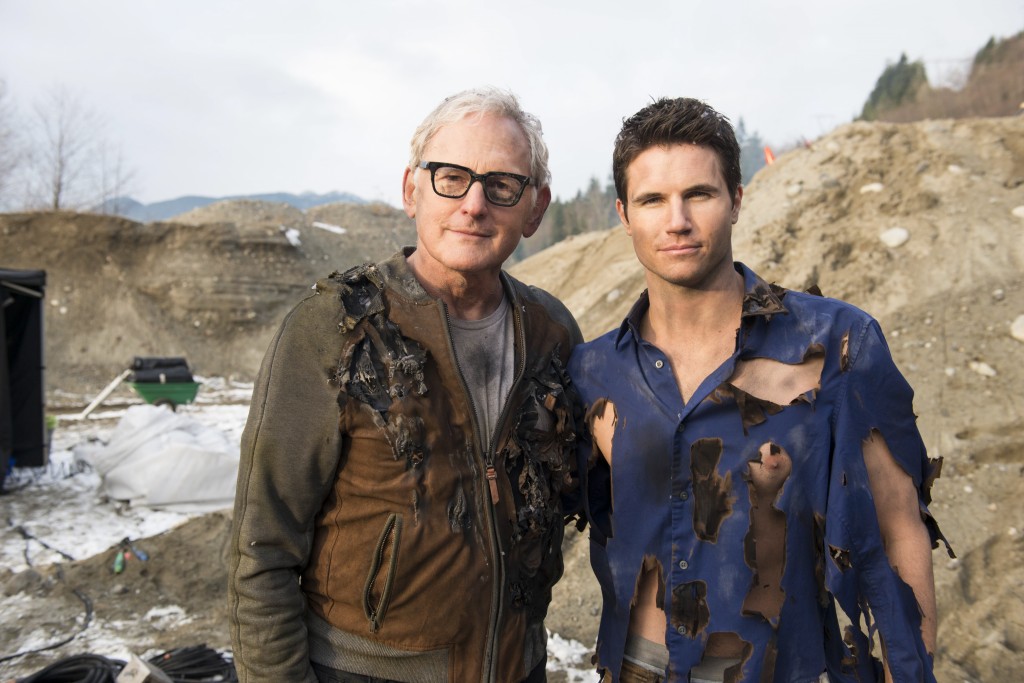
(22,403)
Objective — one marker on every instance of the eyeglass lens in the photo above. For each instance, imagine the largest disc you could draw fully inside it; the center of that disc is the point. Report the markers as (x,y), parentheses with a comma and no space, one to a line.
(500,188)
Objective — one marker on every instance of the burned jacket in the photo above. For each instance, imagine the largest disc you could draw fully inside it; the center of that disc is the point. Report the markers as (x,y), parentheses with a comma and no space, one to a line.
(750,500)
(362,472)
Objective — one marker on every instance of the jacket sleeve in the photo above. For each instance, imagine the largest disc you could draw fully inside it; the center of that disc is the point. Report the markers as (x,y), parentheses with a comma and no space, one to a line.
(289,458)
(592,504)
(571,500)
(875,398)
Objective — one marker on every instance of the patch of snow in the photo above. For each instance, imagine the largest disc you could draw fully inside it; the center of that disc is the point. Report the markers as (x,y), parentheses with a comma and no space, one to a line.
(292,235)
(872,188)
(571,657)
(336,229)
(80,522)
(164,617)
(218,390)
(1018,211)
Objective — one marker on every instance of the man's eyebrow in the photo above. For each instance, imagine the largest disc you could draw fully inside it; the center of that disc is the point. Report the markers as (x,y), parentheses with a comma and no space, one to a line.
(643,196)
(702,187)
(706,188)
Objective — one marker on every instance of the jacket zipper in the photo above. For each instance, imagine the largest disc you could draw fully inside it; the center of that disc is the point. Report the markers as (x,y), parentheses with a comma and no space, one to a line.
(518,337)
(390,537)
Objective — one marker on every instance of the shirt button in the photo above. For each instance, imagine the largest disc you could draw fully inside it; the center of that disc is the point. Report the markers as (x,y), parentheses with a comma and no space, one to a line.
(681,630)
(683,495)
(659,364)
(683,564)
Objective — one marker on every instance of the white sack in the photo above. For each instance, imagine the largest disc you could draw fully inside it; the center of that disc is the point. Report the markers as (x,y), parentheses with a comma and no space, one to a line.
(162,459)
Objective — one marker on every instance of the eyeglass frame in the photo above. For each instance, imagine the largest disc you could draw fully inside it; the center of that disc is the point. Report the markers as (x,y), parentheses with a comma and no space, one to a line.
(432,166)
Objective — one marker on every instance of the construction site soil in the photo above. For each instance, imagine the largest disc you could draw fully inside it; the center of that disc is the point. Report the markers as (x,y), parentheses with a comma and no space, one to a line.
(920,224)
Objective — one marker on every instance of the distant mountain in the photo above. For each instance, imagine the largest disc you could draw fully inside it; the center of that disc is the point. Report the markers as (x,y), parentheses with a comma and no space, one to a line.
(161,211)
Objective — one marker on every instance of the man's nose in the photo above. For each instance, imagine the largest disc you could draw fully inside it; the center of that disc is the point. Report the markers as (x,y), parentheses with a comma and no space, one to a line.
(475,202)
(679,215)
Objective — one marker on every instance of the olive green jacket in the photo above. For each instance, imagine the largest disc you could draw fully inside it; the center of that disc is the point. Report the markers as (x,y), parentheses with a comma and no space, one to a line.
(367,498)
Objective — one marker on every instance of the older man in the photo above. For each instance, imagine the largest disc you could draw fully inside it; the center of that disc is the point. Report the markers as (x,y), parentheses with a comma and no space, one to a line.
(397,515)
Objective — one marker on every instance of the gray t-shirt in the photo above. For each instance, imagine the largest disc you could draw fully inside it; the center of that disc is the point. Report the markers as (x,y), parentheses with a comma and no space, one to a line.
(485,350)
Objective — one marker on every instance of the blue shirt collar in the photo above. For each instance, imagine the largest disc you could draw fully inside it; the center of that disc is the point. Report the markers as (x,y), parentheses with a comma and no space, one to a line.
(759,300)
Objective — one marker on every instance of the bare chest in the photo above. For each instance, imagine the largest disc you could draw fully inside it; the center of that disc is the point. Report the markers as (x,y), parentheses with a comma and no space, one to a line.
(693,362)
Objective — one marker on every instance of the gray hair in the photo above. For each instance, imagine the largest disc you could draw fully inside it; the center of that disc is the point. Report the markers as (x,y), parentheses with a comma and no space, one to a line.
(485,100)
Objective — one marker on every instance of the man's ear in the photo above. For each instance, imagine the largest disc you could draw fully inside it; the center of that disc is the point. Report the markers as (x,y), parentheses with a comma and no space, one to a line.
(539,207)
(409,192)
(620,209)
(737,200)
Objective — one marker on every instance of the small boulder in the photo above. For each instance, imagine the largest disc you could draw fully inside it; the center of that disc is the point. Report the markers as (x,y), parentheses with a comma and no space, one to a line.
(1017,328)
(895,237)
(982,368)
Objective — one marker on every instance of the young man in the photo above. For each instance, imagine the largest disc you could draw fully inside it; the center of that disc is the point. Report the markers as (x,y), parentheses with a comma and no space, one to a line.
(397,515)
(755,465)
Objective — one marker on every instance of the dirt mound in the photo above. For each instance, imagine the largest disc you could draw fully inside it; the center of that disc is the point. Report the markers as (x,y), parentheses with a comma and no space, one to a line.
(921,225)
(252,213)
(212,286)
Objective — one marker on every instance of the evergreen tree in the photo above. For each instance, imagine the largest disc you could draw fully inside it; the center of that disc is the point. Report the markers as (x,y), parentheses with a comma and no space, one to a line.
(899,83)
(751,151)
(587,211)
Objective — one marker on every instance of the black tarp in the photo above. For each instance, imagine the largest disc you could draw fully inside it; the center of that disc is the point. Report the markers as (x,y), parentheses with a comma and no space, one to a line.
(22,404)
(162,370)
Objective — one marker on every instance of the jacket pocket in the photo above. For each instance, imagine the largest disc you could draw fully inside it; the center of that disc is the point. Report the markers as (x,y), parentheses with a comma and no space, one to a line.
(377,592)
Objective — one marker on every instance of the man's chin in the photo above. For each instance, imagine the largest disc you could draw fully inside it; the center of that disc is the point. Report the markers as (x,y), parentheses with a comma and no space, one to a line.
(470,264)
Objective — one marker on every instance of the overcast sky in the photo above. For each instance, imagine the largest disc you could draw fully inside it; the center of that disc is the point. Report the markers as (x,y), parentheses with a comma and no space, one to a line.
(213,97)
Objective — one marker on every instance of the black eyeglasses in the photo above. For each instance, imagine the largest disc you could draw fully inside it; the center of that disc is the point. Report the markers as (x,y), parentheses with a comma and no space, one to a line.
(453,181)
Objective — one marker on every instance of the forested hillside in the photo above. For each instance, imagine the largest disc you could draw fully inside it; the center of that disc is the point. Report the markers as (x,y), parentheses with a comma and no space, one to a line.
(992,86)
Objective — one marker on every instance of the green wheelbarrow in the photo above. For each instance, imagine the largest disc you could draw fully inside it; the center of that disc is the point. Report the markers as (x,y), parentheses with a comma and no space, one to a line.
(159,381)
(170,394)
(163,381)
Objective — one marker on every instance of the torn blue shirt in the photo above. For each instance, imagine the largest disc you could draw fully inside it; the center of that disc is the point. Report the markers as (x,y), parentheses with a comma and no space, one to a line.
(683,493)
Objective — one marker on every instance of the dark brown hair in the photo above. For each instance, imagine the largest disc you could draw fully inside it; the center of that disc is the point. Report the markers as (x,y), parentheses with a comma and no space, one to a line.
(676,121)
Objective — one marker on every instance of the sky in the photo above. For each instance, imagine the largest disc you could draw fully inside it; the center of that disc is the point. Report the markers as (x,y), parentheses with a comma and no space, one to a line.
(219,97)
